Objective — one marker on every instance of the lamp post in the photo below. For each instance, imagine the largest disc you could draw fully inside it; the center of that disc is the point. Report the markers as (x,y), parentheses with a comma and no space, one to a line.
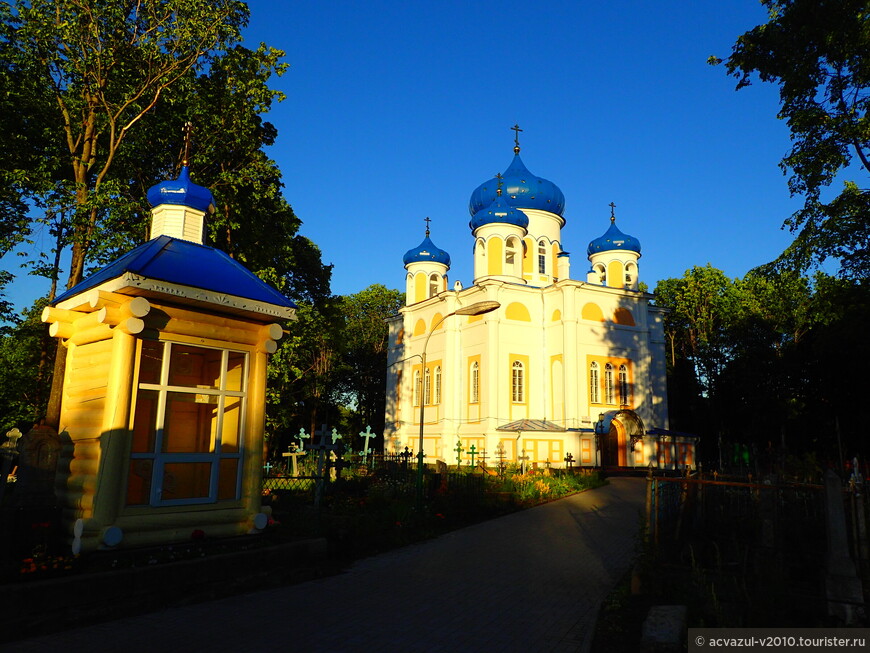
(478,308)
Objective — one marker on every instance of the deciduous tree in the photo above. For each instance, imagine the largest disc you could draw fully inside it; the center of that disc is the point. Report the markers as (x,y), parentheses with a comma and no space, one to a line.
(816,52)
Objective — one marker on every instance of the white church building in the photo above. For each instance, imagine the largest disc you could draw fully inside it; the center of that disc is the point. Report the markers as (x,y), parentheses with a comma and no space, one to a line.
(563,371)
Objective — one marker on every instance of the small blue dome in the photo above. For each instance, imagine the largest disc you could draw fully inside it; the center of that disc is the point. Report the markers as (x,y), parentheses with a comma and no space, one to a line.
(612,239)
(181,191)
(522,190)
(499,212)
(426,251)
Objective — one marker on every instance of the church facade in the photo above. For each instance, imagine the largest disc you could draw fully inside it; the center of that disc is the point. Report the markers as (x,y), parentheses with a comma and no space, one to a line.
(550,370)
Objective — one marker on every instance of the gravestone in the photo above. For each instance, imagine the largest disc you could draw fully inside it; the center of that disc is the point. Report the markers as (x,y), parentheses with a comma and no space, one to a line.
(8,455)
(37,465)
(292,454)
(441,470)
(664,629)
(842,585)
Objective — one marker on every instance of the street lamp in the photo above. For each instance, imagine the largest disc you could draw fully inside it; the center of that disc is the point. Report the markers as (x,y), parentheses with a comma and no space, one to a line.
(478,308)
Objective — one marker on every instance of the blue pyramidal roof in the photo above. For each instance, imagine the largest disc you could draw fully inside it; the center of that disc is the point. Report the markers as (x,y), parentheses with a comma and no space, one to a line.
(188,264)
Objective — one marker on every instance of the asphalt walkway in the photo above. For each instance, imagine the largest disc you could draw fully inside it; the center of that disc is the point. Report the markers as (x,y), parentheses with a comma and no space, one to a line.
(531,581)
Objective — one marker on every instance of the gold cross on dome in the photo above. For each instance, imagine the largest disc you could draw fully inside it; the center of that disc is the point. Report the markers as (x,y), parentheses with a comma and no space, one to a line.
(517,130)
(612,216)
(427,221)
(186,131)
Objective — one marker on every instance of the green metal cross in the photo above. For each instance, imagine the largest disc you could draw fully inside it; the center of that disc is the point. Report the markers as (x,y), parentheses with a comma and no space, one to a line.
(472,452)
(302,435)
(367,434)
(459,451)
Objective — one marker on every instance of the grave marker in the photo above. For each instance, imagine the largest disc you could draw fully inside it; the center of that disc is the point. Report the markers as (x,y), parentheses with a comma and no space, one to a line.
(459,451)
(367,434)
(500,455)
(472,451)
(293,454)
(302,435)
(523,458)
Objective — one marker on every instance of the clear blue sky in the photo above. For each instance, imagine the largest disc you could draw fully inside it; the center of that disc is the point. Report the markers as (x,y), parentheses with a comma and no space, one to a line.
(396,111)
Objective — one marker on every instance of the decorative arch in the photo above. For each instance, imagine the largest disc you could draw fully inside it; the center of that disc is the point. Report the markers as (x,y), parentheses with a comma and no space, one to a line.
(615,274)
(528,262)
(555,259)
(419,287)
(592,311)
(513,255)
(623,316)
(518,311)
(435,320)
(495,247)
(557,315)
(631,274)
(434,284)
(420,327)
(599,269)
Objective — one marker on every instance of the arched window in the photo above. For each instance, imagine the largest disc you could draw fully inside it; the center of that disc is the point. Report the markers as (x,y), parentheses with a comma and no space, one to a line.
(602,274)
(438,385)
(417,388)
(517,383)
(433,285)
(427,387)
(474,383)
(623,386)
(594,392)
(609,396)
(510,254)
(542,257)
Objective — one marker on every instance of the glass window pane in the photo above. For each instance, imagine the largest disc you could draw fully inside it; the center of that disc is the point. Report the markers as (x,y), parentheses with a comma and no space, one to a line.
(232,427)
(195,367)
(190,422)
(139,483)
(150,361)
(186,481)
(227,479)
(235,370)
(145,421)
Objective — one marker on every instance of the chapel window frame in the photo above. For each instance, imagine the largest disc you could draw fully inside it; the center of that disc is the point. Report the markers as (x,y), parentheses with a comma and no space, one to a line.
(474,383)
(157,455)
(542,257)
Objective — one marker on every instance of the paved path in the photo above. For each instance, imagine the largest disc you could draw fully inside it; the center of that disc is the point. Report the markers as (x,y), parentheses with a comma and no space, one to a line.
(532,581)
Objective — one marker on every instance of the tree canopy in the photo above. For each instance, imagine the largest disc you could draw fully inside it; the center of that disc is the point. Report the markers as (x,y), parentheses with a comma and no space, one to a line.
(769,359)
(816,52)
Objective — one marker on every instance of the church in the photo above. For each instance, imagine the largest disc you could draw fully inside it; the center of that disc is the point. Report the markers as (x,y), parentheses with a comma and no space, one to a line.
(528,364)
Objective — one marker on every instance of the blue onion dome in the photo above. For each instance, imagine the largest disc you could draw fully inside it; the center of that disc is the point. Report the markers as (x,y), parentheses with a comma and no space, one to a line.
(426,251)
(613,239)
(522,189)
(181,191)
(499,212)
